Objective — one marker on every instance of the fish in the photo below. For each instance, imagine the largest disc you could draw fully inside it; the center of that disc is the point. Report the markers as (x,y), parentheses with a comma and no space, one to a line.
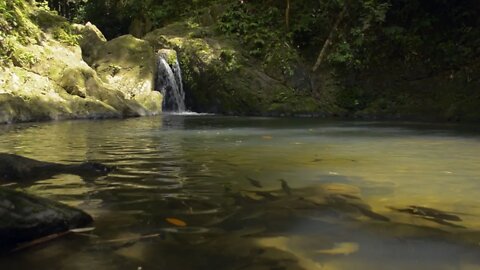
(428,212)
(254,182)
(286,187)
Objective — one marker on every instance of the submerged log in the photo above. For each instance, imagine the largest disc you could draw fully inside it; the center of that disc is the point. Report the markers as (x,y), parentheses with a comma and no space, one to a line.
(25,217)
(19,168)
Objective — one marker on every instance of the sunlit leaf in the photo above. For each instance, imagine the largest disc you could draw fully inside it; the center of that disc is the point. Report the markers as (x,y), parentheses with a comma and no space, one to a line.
(176,222)
(82,230)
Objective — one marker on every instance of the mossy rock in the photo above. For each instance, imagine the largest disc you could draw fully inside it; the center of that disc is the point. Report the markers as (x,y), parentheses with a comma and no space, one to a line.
(25,217)
(47,79)
(28,96)
(55,26)
(218,76)
(71,78)
(91,40)
(128,64)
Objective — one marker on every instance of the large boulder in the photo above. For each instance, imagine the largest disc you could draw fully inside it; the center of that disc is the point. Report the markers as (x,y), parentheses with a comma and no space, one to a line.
(91,39)
(128,64)
(219,77)
(48,78)
(24,218)
(27,96)
(64,66)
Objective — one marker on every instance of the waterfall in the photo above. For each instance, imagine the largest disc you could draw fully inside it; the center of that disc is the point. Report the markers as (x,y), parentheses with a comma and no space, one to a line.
(169,81)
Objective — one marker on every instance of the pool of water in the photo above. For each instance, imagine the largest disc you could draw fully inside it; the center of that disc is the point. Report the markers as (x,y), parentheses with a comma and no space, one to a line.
(351,196)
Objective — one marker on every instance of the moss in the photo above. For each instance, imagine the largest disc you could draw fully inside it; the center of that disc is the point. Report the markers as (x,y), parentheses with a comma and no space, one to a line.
(57,26)
(219,76)
(16,30)
(290,103)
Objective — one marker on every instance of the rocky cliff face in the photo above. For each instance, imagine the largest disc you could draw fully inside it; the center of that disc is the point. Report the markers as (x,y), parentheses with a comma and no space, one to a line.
(54,78)
(219,77)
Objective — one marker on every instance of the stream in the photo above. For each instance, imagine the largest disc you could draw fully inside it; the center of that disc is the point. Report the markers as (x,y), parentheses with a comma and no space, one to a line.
(212,192)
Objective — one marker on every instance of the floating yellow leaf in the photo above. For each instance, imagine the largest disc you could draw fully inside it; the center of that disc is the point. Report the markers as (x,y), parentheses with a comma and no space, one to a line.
(176,222)
(267,137)
(82,230)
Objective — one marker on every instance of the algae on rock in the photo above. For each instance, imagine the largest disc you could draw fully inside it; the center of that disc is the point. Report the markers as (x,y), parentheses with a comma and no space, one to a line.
(219,78)
(128,64)
(46,78)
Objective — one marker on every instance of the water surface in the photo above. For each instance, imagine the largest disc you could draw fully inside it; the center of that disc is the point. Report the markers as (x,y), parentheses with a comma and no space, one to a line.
(345,180)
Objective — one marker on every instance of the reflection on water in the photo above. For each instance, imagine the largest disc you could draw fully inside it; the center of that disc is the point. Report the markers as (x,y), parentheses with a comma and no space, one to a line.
(355,196)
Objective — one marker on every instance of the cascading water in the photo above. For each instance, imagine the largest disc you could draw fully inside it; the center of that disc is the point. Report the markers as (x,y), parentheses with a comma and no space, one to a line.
(169,81)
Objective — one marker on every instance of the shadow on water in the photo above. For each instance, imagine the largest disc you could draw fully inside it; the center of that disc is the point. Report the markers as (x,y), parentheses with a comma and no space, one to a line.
(220,177)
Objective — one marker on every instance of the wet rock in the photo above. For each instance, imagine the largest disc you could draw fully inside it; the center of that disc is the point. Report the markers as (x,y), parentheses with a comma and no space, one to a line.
(18,168)
(24,218)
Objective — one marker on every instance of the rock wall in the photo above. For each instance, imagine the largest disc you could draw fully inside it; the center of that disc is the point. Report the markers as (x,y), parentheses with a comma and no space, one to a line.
(220,78)
(115,80)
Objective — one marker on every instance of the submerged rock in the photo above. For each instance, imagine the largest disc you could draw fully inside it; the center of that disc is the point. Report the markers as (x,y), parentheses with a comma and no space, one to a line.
(18,168)
(25,217)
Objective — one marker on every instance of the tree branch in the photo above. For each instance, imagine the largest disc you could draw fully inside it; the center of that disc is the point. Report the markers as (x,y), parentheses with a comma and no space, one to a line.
(328,42)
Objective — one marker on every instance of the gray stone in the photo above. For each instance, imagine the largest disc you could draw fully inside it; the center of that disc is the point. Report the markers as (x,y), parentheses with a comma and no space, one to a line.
(25,217)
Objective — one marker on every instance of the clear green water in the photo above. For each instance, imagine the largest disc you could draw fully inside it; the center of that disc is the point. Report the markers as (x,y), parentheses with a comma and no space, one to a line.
(195,168)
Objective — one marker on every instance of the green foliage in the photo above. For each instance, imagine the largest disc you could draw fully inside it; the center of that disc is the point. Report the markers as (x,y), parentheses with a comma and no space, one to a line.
(359,32)
(14,19)
(438,34)
(261,30)
(24,59)
(7,48)
(16,29)
(65,34)
(229,59)
(12,51)
(252,29)
(353,99)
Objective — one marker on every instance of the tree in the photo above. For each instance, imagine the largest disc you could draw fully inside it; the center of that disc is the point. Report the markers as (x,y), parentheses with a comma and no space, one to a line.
(330,37)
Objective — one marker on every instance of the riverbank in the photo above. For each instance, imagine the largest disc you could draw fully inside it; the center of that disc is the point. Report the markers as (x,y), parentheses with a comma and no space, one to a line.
(52,70)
